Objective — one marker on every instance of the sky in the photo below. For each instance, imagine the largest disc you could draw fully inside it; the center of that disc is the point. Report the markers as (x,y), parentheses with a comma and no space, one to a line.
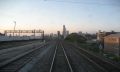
(50,15)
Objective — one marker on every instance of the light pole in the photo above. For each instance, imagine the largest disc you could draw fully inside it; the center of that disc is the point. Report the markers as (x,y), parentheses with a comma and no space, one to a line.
(14,27)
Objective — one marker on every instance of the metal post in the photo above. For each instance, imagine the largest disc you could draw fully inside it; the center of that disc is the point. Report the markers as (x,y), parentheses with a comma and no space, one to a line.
(5,33)
(34,33)
(19,32)
(43,36)
(119,47)
(14,27)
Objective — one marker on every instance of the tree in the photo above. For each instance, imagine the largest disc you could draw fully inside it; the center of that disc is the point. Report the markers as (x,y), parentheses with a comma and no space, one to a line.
(74,37)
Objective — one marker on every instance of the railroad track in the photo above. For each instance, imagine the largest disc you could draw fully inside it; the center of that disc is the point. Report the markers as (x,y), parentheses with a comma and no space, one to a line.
(15,64)
(60,61)
(97,62)
(12,44)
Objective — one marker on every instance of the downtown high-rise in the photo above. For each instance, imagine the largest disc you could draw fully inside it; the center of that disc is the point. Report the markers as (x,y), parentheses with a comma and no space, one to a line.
(65,32)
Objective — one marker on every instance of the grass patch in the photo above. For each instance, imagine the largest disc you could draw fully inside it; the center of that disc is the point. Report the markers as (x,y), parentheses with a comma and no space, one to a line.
(112,57)
(90,46)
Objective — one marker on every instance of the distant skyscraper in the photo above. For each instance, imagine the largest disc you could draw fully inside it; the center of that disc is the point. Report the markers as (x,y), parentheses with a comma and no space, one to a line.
(67,32)
(64,32)
(58,32)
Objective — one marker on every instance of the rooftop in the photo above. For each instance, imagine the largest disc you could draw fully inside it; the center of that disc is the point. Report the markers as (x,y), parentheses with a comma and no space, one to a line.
(114,35)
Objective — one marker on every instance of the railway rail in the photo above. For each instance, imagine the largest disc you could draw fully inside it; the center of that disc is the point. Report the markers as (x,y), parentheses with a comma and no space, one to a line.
(60,61)
(64,57)
(100,63)
(12,44)
(16,63)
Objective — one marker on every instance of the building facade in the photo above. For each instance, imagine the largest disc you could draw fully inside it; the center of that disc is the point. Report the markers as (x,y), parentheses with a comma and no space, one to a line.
(65,32)
(100,37)
(112,44)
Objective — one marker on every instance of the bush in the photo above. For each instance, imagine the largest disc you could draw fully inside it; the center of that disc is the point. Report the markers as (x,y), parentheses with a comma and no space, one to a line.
(74,37)
(117,59)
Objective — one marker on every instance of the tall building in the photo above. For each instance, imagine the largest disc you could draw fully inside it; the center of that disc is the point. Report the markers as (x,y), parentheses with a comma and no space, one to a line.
(58,32)
(64,31)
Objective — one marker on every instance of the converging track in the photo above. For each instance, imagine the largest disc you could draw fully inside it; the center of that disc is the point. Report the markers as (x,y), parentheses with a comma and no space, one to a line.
(54,56)
(83,61)
(60,62)
(16,63)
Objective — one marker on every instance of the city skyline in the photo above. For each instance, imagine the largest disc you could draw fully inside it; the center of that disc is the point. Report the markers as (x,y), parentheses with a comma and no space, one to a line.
(85,16)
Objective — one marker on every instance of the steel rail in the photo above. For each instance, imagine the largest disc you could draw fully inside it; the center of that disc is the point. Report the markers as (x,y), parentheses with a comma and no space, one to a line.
(17,57)
(93,62)
(51,67)
(87,55)
(71,70)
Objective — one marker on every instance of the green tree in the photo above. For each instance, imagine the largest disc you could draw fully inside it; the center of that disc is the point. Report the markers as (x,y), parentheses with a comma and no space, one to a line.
(74,37)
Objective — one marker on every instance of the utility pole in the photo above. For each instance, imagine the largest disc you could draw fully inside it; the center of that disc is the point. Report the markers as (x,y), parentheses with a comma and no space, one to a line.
(43,37)
(14,27)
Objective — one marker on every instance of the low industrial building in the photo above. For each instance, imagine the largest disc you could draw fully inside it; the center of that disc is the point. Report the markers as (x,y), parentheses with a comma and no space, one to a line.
(101,35)
(112,44)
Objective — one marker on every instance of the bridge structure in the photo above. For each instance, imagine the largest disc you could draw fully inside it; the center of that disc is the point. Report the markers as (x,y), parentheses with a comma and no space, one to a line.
(20,32)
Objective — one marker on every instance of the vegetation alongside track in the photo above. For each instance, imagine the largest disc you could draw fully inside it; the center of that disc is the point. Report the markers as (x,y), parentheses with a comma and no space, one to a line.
(92,47)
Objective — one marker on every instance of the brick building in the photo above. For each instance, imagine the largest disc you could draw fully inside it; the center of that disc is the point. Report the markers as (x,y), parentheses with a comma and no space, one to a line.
(112,44)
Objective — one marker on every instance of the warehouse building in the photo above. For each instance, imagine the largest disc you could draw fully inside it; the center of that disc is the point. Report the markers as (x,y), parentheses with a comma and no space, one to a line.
(112,44)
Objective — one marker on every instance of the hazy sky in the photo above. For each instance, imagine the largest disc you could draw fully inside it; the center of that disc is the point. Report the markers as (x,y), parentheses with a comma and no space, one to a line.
(51,15)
